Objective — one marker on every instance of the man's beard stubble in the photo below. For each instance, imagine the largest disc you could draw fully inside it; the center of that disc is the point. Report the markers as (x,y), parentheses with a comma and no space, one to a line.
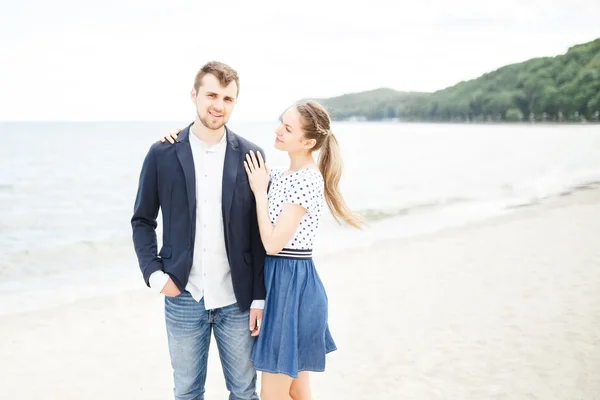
(207,125)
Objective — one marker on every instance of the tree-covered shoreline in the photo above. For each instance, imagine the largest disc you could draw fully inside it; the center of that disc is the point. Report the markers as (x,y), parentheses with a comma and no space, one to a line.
(564,88)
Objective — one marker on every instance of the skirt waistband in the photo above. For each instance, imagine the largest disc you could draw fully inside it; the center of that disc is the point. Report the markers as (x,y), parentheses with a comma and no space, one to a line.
(294,253)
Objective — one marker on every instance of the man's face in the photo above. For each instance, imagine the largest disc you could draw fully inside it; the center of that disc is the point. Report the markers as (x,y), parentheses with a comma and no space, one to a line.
(214,103)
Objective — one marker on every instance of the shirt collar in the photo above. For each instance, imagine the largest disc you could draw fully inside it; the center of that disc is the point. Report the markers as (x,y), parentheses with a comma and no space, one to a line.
(210,149)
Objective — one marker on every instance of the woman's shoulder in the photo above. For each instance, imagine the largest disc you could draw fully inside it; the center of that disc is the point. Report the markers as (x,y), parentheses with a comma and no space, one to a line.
(309,179)
(311,175)
(306,176)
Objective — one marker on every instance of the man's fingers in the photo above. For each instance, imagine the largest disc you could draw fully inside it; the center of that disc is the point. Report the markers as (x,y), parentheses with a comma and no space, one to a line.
(255,321)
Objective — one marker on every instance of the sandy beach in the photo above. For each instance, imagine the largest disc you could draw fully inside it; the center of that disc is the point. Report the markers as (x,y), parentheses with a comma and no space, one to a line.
(508,308)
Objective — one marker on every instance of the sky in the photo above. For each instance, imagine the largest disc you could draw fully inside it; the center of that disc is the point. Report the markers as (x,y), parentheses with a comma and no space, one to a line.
(136,60)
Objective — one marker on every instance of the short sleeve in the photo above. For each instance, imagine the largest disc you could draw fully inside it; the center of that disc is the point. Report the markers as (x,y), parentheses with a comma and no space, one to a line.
(305,190)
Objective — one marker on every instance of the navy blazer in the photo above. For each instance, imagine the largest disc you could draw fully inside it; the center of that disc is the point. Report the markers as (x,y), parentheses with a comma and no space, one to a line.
(167,182)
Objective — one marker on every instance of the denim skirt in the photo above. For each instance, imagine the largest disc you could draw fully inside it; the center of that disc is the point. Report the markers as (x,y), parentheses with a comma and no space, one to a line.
(294,334)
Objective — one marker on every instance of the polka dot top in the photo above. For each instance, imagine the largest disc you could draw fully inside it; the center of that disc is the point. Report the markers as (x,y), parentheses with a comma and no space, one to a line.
(305,188)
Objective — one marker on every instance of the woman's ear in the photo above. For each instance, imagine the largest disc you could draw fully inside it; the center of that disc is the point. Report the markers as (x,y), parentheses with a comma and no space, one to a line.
(310,143)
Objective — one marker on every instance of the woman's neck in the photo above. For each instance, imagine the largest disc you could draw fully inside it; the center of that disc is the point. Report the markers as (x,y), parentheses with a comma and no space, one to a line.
(300,161)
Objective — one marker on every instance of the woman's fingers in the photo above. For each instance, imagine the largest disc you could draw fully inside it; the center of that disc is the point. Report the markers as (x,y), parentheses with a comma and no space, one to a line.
(260,159)
(251,163)
(255,160)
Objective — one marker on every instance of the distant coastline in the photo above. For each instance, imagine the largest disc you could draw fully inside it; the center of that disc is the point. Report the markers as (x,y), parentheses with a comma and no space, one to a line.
(560,89)
(497,122)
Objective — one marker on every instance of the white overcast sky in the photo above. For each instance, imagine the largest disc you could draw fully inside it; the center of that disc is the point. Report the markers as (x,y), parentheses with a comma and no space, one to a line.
(136,60)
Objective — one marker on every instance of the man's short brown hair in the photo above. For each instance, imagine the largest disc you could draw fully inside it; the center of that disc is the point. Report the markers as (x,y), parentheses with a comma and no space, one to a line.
(223,72)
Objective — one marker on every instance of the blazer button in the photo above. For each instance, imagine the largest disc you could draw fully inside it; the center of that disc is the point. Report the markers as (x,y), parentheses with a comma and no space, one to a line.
(189,247)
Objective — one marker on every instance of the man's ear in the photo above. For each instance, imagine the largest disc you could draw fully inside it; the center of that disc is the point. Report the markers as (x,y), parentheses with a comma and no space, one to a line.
(193,95)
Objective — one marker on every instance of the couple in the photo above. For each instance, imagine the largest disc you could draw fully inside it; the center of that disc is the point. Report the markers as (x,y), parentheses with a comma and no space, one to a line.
(237,242)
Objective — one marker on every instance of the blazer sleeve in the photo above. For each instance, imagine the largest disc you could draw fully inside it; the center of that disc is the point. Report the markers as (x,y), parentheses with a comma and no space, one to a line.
(143,221)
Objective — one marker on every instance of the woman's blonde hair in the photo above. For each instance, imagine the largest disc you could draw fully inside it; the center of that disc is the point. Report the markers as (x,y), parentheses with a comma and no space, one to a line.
(316,124)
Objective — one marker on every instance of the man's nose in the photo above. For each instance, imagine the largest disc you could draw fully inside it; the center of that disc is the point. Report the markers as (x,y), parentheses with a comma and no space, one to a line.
(218,104)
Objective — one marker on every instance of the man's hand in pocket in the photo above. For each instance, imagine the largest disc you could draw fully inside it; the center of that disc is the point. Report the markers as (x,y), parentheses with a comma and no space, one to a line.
(170,289)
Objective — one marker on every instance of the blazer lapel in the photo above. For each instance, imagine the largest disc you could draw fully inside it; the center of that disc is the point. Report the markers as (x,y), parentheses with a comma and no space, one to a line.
(184,153)
(230,169)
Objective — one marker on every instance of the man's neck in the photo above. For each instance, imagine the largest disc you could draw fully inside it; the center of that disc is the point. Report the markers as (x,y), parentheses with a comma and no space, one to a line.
(209,136)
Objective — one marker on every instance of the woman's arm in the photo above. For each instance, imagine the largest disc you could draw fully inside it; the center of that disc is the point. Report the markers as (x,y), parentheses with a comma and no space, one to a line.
(274,236)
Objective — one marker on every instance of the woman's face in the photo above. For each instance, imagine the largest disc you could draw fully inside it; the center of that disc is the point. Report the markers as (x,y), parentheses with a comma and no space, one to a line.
(289,135)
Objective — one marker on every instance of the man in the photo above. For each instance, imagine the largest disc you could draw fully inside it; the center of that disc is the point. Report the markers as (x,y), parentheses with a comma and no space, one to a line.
(210,267)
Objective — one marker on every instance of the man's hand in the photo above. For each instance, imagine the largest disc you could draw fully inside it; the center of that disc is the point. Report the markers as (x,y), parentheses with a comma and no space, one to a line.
(170,289)
(255,321)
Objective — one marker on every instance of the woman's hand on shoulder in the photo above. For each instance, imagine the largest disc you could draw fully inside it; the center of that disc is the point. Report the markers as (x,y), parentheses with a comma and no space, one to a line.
(258,172)
(171,137)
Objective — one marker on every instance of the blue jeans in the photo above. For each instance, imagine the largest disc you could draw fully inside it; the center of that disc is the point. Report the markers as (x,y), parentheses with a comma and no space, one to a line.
(189,328)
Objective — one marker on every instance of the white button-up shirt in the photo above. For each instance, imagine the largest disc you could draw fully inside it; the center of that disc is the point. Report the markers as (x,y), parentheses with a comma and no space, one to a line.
(210,276)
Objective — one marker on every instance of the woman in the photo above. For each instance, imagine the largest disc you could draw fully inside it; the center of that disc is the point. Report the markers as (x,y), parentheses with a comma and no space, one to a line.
(294,335)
